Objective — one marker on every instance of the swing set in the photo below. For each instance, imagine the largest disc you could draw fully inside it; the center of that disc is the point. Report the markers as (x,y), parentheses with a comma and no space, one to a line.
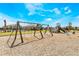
(37,27)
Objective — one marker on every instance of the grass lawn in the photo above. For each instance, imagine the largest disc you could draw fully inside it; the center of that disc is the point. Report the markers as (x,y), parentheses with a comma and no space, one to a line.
(23,32)
(8,33)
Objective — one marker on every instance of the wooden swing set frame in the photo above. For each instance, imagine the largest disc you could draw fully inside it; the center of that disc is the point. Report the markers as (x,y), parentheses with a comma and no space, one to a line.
(18,29)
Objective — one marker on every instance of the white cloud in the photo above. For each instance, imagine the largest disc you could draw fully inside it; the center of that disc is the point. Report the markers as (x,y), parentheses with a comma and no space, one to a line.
(48,19)
(59,21)
(75,21)
(57,11)
(33,7)
(77,17)
(10,20)
(67,10)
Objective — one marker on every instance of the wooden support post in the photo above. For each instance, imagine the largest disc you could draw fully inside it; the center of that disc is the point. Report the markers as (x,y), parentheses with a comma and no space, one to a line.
(18,28)
(14,38)
(41,34)
(4,25)
(34,32)
(48,29)
(38,28)
(20,33)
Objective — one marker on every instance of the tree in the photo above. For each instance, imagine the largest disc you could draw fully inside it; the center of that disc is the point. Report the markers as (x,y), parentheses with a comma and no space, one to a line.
(70,26)
(58,25)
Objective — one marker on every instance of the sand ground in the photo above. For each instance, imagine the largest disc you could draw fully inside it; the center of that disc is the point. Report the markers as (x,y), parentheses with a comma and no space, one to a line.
(58,45)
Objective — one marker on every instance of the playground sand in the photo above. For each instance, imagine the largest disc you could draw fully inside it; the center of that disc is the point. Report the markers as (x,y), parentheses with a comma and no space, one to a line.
(58,45)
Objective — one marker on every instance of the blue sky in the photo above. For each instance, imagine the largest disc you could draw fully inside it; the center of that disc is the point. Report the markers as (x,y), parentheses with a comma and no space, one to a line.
(47,13)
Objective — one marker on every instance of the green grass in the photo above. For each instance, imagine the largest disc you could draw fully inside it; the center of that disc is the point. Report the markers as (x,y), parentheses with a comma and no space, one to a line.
(23,32)
(5,33)
(8,33)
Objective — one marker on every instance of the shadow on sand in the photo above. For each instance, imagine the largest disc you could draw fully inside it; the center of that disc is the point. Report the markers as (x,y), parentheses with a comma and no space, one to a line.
(22,43)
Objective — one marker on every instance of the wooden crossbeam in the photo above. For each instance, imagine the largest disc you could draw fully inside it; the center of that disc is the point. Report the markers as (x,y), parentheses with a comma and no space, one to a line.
(19,29)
